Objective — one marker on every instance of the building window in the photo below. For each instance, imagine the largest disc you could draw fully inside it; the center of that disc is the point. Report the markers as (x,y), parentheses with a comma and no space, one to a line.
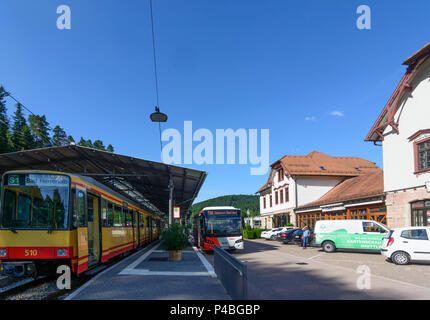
(270,202)
(281,174)
(287,194)
(276,197)
(281,196)
(424,155)
(264,202)
(420,213)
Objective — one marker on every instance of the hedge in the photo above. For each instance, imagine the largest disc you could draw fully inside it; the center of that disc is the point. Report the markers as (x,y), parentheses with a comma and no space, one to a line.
(249,233)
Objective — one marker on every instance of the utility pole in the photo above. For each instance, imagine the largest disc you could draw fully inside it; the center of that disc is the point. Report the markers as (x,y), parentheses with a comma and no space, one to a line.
(171,188)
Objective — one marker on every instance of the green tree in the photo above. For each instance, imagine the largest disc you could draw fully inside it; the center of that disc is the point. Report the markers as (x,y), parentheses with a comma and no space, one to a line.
(59,137)
(40,129)
(109,148)
(70,140)
(98,144)
(5,142)
(22,139)
(82,142)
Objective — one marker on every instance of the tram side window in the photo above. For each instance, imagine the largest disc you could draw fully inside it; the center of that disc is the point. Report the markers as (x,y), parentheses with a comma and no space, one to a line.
(130,222)
(129,218)
(9,206)
(110,215)
(80,206)
(125,215)
(117,220)
(141,222)
(104,213)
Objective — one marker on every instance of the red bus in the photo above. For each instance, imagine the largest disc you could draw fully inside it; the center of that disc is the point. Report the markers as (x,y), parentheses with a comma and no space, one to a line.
(221,226)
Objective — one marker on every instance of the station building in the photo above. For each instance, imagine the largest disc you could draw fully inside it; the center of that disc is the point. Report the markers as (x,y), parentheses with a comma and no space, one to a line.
(296,183)
(361,197)
(403,130)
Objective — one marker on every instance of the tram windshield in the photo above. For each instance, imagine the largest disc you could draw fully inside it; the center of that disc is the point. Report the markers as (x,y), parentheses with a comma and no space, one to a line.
(35,201)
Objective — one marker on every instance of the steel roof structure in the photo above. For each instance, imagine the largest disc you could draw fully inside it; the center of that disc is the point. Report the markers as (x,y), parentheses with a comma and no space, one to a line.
(146,182)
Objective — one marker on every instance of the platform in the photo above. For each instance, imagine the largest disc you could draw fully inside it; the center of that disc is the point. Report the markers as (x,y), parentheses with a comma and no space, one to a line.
(149,275)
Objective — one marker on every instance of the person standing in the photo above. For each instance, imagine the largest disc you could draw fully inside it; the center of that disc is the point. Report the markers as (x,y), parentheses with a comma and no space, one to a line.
(305,237)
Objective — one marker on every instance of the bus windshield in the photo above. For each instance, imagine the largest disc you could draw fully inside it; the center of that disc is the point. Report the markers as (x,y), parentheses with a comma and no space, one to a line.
(35,201)
(223,225)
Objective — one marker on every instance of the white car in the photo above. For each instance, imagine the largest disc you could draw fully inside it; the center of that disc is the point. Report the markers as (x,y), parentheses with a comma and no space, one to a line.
(404,245)
(272,233)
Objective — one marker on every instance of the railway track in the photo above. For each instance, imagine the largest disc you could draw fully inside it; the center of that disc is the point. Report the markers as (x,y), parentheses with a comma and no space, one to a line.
(45,287)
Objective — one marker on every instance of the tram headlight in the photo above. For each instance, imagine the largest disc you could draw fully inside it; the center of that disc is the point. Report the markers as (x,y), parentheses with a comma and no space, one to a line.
(62,252)
(3,252)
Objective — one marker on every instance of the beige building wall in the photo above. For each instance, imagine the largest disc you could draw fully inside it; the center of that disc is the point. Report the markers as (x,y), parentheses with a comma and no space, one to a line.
(399,205)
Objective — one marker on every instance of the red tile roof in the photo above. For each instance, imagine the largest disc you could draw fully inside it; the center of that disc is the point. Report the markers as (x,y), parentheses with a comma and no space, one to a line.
(320,164)
(370,184)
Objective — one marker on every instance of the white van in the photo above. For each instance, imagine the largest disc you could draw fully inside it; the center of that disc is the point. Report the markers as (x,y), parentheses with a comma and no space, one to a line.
(349,234)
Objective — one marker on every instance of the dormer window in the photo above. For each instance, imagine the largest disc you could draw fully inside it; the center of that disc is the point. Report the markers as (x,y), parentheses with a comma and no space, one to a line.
(322,168)
(358,169)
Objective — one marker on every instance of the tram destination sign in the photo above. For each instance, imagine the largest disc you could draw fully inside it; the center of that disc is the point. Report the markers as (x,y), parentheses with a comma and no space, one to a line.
(38,180)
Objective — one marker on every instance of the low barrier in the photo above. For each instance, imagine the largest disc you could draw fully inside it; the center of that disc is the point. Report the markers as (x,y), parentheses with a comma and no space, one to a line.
(232,274)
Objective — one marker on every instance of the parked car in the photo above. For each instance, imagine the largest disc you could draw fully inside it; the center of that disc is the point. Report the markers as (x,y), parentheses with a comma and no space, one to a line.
(277,234)
(404,245)
(295,236)
(350,234)
(266,234)
(272,234)
(287,236)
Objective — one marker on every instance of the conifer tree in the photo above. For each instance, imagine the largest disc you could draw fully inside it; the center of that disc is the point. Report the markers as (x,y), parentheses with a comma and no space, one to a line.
(5,143)
(70,140)
(60,137)
(40,129)
(98,144)
(22,138)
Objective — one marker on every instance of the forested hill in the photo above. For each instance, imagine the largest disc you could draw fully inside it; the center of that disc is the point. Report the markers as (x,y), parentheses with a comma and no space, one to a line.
(242,202)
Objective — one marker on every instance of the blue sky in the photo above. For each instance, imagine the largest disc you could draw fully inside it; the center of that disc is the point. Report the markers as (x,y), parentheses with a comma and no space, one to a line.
(299,68)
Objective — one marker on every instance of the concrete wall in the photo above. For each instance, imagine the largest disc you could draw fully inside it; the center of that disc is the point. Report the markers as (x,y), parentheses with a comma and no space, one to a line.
(312,188)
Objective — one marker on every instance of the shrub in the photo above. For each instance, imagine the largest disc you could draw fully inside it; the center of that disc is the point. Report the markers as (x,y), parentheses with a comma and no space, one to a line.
(174,238)
(258,233)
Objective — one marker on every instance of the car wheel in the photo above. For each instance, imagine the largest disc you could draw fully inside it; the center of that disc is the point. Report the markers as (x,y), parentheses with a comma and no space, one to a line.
(328,246)
(273,237)
(400,258)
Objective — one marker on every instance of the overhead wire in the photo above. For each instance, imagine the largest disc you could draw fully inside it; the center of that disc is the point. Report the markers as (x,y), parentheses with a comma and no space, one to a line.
(155,70)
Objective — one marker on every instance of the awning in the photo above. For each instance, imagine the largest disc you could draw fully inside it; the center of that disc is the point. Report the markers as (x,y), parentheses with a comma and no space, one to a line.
(146,182)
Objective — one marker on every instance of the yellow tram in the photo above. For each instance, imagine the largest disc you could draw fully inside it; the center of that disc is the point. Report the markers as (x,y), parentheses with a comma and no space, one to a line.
(53,218)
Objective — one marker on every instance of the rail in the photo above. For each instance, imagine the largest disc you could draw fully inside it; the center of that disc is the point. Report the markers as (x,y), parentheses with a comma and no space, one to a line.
(232,274)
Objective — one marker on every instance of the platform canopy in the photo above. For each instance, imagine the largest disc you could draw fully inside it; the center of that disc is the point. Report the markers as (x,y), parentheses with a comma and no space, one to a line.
(146,182)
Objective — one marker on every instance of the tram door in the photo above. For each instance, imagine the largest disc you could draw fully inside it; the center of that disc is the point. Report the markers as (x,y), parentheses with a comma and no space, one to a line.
(93,211)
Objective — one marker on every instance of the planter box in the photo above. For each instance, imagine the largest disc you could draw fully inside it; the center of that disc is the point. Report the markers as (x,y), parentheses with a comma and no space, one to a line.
(175,255)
